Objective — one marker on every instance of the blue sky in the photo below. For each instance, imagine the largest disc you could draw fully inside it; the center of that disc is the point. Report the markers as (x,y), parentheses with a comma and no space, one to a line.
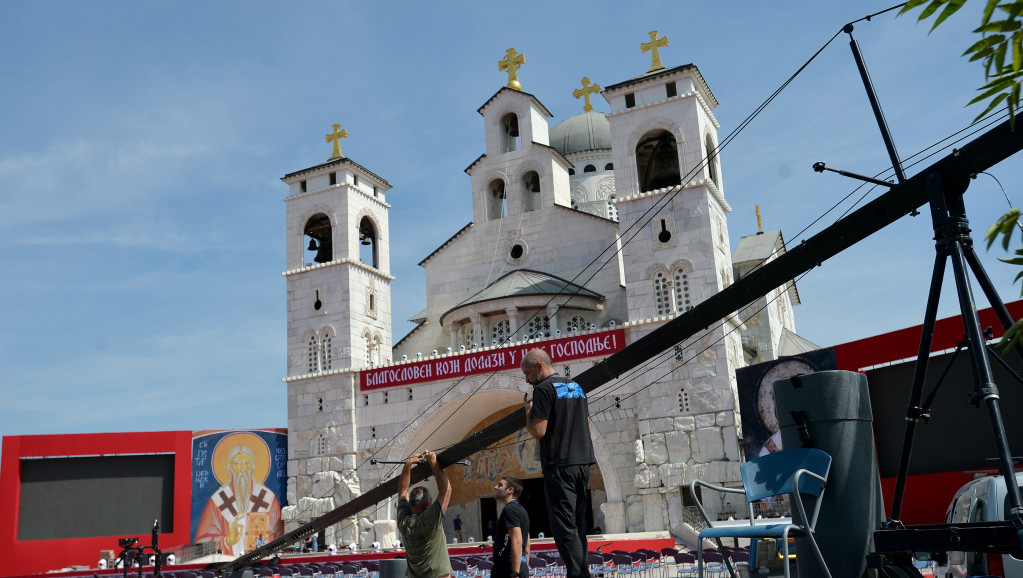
(142,145)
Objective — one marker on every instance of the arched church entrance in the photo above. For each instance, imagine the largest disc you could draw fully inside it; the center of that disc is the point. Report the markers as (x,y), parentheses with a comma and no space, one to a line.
(516,455)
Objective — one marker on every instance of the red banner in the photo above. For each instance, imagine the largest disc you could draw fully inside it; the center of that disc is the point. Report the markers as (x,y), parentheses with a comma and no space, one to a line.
(505,358)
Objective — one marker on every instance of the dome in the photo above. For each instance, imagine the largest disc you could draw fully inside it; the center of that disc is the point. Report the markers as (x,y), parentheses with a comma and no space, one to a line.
(582,132)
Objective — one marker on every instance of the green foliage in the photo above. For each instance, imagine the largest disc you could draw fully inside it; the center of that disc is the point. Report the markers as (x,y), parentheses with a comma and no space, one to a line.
(1004,228)
(1000,47)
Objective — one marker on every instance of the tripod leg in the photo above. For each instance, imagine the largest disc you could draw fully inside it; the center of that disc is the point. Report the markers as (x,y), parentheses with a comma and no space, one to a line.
(983,377)
(987,287)
(913,410)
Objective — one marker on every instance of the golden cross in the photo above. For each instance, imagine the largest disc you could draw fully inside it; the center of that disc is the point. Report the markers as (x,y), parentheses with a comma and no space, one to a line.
(654,44)
(511,62)
(585,93)
(336,137)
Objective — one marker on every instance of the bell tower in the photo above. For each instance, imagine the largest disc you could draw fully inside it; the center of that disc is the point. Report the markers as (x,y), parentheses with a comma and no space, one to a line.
(676,253)
(338,266)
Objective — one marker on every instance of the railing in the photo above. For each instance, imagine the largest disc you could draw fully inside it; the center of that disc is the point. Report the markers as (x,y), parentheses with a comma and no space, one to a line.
(192,551)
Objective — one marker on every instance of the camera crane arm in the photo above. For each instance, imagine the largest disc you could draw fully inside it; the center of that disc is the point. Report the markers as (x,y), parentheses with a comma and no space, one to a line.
(954,172)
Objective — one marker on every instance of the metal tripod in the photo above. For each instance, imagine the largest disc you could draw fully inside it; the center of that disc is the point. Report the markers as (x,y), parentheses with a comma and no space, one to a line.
(953,243)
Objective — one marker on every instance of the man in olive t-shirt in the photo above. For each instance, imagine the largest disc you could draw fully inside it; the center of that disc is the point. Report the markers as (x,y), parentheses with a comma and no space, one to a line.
(421,521)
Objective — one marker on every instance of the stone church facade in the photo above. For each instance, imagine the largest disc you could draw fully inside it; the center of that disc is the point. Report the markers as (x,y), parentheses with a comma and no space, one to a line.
(595,231)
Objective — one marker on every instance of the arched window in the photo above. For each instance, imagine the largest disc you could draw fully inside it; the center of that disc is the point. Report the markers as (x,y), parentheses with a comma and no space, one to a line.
(469,336)
(662,294)
(500,331)
(377,351)
(589,169)
(328,351)
(571,172)
(609,167)
(712,162)
(509,132)
(496,200)
(320,246)
(681,281)
(313,354)
(368,253)
(530,191)
(657,161)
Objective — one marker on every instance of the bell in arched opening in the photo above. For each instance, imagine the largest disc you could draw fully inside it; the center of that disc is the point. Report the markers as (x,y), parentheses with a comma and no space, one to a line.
(657,161)
(318,229)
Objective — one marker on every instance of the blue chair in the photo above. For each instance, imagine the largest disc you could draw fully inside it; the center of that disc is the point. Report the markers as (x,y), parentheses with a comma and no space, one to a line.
(789,472)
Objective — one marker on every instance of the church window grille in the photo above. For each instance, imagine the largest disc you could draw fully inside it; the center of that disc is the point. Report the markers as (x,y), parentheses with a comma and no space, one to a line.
(319,404)
(679,353)
(333,179)
(322,445)
(501,331)
(683,400)
(410,394)
(662,294)
(681,282)
(589,169)
(609,167)
(365,399)
(630,100)
(538,324)
(328,353)
(470,336)
(578,321)
(313,354)
(377,350)
(670,89)
(657,162)
(369,349)
(612,209)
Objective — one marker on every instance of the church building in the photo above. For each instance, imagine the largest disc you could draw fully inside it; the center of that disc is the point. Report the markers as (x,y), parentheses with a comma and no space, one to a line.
(586,236)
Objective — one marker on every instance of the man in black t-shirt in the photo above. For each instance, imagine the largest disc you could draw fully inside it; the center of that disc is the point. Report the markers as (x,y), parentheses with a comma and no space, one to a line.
(511,543)
(558,417)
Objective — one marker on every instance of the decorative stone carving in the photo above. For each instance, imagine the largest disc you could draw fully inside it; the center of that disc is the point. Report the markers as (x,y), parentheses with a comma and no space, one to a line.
(605,189)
